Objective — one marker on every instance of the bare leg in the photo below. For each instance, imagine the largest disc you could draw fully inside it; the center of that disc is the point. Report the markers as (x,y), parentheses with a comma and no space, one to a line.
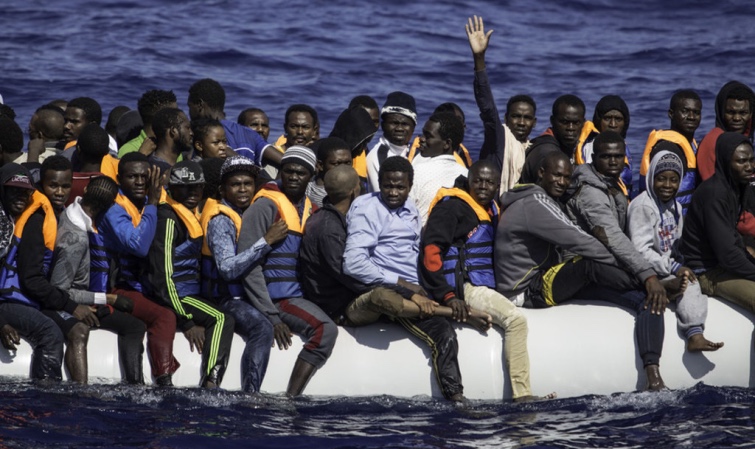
(76,352)
(698,342)
(301,374)
(655,382)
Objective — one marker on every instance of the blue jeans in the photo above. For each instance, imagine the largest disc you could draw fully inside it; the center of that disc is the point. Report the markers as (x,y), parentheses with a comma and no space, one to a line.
(257,332)
(44,336)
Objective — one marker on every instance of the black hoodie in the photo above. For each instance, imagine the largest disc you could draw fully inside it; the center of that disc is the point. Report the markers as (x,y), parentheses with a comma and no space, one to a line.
(710,238)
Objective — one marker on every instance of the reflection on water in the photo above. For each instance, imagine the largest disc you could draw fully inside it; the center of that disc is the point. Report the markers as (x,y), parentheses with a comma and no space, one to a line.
(124,416)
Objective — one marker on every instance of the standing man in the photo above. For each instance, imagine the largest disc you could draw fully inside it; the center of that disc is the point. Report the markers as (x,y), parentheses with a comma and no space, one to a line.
(505,143)
(272,285)
(684,111)
(207,100)
(399,117)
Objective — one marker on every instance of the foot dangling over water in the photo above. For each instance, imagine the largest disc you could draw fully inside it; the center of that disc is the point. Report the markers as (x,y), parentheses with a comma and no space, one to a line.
(698,342)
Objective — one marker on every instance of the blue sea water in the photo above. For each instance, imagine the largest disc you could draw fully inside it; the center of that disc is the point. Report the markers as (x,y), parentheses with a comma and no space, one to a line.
(273,54)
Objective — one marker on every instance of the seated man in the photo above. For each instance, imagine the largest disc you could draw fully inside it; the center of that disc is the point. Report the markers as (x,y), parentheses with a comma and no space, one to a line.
(272,284)
(534,241)
(399,117)
(301,126)
(173,137)
(347,301)
(257,120)
(55,180)
(19,312)
(223,266)
(457,264)
(174,272)
(149,103)
(711,245)
(655,227)
(91,159)
(80,268)
(45,133)
(356,128)
(382,247)
(127,230)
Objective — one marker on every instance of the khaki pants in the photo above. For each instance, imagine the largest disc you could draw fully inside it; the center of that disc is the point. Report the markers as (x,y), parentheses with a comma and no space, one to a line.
(721,283)
(514,324)
(368,307)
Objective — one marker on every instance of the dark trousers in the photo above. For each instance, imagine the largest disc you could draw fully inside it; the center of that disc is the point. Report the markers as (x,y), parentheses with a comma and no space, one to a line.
(43,335)
(218,331)
(587,279)
(257,333)
(440,336)
(130,331)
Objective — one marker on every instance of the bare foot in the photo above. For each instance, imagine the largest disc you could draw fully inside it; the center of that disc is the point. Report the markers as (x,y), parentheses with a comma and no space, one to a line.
(531,398)
(480,320)
(698,342)
(655,382)
(675,287)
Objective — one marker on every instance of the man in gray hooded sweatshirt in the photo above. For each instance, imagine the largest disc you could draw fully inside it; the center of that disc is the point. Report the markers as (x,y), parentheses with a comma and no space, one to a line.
(543,259)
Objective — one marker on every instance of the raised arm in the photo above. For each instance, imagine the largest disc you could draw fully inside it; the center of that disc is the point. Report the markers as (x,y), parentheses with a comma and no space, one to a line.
(478,41)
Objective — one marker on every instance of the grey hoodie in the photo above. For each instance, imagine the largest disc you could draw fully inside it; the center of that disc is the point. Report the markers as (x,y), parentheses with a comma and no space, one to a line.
(531,234)
(599,207)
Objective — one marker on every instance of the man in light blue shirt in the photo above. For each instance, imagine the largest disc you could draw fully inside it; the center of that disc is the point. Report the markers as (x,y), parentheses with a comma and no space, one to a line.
(382,247)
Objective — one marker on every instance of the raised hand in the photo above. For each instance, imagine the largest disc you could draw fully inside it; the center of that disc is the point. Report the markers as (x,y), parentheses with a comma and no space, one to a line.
(478,39)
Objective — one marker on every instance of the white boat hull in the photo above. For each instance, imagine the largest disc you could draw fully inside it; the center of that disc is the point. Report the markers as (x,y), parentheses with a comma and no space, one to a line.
(575,349)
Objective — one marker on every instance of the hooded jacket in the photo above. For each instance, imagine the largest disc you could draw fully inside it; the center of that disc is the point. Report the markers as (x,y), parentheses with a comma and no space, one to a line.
(706,154)
(599,207)
(356,128)
(531,234)
(656,227)
(710,239)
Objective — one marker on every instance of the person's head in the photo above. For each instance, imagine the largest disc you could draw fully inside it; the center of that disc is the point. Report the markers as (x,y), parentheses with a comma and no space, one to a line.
(112,119)
(331,152)
(484,181)
(99,195)
(129,126)
(609,152)
(56,179)
(7,111)
(211,170)
(238,177)
(355,127)
(209,138)
(186,183)
(395,176)
(133,176)
(342,184)
(297,168)
(567,118)
(16,188)
(92,144)
(734,159)
(301,125)
(734,105)
(442,134)
(665,175)
(685,109)
(256,119)
(152,101)
(452,108)
(554,174)
(47,123)
(11,140)
(60,103)
(172,128)
(520,116)
(399,117)
(80,112)
(611,114)
(369,105)
(206,99)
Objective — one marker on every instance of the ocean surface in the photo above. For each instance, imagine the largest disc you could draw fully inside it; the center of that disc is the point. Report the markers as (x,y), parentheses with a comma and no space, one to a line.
(272,54)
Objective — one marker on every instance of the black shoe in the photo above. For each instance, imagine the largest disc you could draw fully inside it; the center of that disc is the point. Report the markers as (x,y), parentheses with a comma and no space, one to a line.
(166,380)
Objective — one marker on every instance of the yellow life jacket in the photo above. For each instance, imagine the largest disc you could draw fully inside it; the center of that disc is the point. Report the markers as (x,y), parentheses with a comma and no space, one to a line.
(213,208)
(671,136)
(462,157)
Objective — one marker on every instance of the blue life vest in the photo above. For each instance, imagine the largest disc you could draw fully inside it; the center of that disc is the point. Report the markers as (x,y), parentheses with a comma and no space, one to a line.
(213,285)
(472,260)
(280,266)
(186,255)
(10,284)
(99,263)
